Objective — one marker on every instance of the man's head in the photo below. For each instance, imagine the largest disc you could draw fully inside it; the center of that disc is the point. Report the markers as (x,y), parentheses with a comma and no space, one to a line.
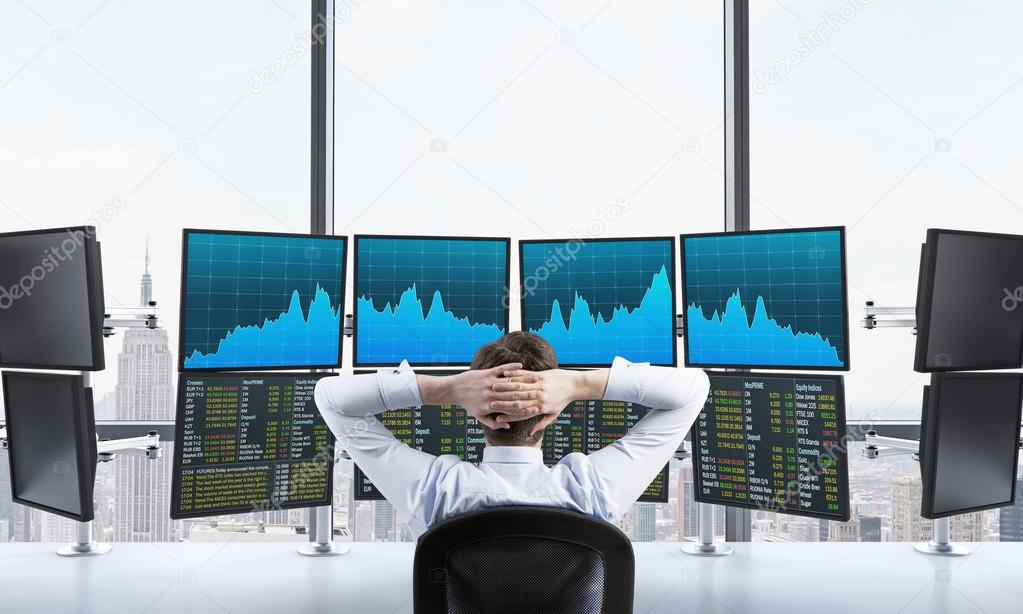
(535,354)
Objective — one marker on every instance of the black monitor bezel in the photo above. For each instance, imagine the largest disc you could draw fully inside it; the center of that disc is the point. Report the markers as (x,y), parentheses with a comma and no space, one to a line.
(186,232)
(671,279)
(355,292)
(925,302)
(94,298)
(85,445)
(929,450)
(179,426)
(845,299)
(843,474)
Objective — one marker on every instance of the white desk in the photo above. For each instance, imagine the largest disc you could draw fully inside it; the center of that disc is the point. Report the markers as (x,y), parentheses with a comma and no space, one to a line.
(240,578)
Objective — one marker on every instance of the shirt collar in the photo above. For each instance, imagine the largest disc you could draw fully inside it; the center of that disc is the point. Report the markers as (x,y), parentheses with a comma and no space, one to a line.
(513,454)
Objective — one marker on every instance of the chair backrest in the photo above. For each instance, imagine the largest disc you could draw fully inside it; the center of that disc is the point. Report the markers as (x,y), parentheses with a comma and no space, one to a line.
(523,559)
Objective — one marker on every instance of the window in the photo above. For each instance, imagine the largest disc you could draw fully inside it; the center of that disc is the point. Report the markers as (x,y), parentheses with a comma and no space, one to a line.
(142,119)
(529,120)
(888,119)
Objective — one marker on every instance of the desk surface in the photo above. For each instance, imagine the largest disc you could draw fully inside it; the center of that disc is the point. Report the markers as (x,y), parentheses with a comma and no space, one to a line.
(242,577)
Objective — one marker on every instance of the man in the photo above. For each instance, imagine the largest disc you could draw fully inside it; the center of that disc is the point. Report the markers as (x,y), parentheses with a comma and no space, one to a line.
(515,390)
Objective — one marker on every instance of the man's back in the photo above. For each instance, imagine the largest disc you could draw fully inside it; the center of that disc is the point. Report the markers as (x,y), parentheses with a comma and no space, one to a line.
(427,489)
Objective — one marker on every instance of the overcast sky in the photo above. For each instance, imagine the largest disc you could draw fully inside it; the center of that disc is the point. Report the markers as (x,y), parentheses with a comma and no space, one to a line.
(529,120)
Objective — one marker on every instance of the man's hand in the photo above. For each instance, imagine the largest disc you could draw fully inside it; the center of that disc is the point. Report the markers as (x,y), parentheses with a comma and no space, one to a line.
(476,391)
(552,390)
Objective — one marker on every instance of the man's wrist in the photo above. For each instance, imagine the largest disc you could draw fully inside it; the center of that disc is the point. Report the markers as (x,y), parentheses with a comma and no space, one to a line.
(433,389)
(590,385)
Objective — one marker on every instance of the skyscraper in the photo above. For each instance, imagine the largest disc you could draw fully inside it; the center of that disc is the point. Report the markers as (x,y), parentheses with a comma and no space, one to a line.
(645,527)
(687,514)
(1010,525)
(870,528)
(6,504)
(384,522)
(908,525)
(144,391)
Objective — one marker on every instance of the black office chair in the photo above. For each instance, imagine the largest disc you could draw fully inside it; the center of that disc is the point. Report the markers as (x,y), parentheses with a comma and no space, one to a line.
(523,560)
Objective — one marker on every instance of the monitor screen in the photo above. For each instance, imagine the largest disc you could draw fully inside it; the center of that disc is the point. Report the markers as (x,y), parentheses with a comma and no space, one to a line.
(773,299)
(249,442)
(969,445)
(584,426)
(596,299)
(969,312)
(261,300)
(51,439)
(51,300)
(428,300)
(774,443)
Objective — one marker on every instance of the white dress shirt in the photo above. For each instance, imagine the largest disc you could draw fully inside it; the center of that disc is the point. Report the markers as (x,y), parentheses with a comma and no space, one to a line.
(427,489)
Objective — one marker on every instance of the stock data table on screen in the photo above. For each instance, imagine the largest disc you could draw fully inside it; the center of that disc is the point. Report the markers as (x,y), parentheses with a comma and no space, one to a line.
(432,301)
(249,442)
(772,299)
(773,442)
(584,426)
(596,299)
(587,426)
(261,300)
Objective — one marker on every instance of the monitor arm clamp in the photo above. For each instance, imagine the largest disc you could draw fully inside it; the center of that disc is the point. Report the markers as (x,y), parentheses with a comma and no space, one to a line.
(940,544)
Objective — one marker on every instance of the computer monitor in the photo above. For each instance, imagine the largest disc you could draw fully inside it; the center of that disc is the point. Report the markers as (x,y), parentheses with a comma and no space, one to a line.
(432,301)
(588,426)
(51,440)
(585,426)
(51,299)
(256,300)
(969,302)
(773,442)
(769,299)
(596,299)
(969,447)
(249,442)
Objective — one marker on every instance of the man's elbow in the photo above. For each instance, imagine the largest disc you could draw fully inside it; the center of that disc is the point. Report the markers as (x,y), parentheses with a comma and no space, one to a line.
(693,387)
(321,395)
(702,386)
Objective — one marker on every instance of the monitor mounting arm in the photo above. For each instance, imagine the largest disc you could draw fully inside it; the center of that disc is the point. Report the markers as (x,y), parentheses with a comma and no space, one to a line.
(108,449)
(878,447)
(876,316)
(130,317)
(147,446)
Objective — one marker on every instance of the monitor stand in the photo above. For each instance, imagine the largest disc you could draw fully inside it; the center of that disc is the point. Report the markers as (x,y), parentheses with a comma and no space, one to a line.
(321,541)
(940,544)
(84,544)
(706,545)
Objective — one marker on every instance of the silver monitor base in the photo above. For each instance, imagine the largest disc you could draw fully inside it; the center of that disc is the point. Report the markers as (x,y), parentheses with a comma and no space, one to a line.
(328,549)
(91,549)
(697,549)
(937,549)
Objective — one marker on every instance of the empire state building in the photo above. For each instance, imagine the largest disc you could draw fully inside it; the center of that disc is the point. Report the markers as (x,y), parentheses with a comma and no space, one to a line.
(144,391)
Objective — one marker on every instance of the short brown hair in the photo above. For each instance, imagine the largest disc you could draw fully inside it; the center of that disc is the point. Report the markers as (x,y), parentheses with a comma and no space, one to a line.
(535,354)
